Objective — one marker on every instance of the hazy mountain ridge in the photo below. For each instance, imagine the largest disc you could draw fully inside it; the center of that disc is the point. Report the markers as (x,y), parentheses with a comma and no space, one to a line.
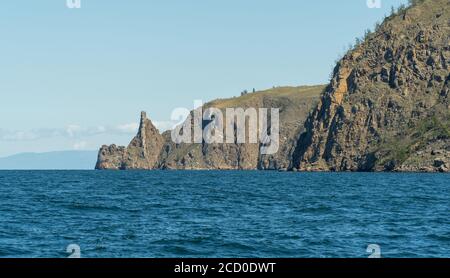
(60,160)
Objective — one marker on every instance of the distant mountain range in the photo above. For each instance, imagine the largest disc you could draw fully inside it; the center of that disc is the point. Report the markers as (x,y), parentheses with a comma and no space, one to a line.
(62,160)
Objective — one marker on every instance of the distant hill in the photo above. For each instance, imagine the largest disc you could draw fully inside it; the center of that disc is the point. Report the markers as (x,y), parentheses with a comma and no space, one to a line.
(63,160)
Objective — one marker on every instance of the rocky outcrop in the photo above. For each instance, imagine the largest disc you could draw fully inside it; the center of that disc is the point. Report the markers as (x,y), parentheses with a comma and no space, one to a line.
(386,109)
(142,153)
(433,157)
(110,157)
(294,105)
(150,150)
(387,106)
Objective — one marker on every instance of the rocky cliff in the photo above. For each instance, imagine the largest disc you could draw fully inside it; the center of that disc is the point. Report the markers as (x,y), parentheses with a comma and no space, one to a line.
(387,106)
(152,150)
(386,109)
(142,152)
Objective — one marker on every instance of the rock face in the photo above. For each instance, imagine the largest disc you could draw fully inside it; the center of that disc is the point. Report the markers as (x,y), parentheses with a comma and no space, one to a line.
(294,105)
(110,157)
(141,153)
(387,106)
(385,109)
(151,150)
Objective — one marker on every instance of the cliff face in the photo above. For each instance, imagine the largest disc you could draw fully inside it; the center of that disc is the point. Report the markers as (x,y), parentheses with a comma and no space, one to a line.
(141,153)
(385,109)
(294,105)
(387,106)
(151,150)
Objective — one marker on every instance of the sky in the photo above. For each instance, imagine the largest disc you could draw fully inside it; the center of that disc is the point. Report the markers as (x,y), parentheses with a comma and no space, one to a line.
(75,79)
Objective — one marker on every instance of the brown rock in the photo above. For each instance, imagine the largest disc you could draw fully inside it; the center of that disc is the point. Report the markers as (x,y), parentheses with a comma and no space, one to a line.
(141,153)
(150,150)
(366,121)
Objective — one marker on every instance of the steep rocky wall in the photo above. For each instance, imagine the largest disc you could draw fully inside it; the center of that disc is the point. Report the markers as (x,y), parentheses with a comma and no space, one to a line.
(150,150)
(142,152)
(294,105)
(387,105)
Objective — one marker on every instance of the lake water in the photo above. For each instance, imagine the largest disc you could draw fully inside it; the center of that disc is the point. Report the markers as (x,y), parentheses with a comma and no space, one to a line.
(223,214)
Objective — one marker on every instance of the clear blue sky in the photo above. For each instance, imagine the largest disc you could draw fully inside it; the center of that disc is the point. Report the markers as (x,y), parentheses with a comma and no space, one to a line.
(78,78)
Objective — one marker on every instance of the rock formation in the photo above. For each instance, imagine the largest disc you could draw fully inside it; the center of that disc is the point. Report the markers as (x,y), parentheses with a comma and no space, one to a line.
(387,106)
(151,150)
(142,153)
(294,105)
(386,109)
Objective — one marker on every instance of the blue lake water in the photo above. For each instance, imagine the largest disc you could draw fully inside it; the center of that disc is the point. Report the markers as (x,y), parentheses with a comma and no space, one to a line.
(223,214)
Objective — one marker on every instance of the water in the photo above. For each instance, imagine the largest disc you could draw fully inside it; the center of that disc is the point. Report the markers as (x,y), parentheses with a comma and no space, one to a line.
(223,214)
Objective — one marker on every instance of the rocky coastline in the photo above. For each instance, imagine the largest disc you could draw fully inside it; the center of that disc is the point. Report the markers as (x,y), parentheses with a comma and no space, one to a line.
(386,109)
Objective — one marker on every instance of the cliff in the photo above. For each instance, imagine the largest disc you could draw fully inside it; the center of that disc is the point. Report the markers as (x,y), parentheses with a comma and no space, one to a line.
(152,150)
(142,152)
(387,106)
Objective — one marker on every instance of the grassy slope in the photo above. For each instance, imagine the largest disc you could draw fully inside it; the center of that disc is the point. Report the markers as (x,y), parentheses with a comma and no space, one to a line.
(294,93)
